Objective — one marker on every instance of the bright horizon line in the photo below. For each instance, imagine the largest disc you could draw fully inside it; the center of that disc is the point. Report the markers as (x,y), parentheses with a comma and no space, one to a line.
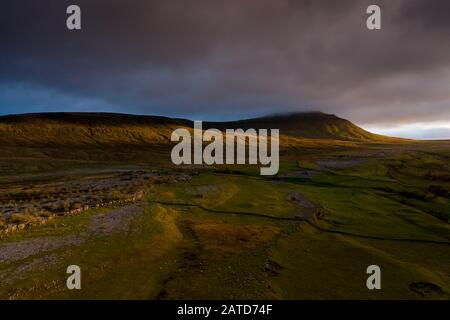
(431,130)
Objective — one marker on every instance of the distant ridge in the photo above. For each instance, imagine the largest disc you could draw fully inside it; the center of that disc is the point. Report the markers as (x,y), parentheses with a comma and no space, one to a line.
(119,129)
(316,125)
(90,118)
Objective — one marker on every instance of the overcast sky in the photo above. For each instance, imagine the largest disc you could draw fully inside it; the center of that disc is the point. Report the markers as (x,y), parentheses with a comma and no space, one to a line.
(229,59)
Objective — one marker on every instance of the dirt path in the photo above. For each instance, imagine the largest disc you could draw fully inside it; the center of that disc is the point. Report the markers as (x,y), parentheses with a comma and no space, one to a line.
(21,250)
(117,220)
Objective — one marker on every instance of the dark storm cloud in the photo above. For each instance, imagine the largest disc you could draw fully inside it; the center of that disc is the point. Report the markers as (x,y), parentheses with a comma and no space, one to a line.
(228,58)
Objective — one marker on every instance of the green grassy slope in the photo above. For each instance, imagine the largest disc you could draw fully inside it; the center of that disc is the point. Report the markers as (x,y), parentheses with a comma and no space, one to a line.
(316,125)
(117,129)
(104,129)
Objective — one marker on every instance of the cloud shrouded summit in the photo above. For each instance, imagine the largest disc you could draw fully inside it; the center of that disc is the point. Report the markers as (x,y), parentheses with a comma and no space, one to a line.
(228,59)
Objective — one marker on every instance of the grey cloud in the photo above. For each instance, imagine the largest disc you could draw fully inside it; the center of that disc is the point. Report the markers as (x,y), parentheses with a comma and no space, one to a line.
(230,58)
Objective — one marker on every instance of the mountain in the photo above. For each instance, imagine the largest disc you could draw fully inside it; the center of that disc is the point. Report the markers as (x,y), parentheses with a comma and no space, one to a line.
(72,129)
(315,125)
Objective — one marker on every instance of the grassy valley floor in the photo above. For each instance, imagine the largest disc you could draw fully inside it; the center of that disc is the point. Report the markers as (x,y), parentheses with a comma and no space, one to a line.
(308,233)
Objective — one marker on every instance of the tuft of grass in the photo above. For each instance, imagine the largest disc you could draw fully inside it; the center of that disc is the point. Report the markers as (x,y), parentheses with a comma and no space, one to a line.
(22,218)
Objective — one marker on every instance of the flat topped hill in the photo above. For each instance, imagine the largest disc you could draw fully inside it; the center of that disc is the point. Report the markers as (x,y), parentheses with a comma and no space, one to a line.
(118,129)
(86,129)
